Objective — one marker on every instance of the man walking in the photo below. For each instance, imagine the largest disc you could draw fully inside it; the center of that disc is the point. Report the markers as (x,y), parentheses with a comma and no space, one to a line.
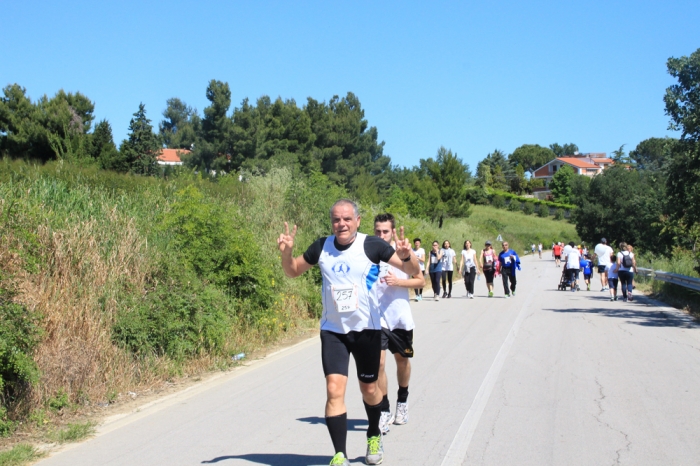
(509,262)
(397,326)
(351,322)
(604,253)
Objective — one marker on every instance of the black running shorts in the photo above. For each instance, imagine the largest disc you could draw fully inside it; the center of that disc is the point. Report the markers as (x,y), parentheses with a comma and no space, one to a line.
(398,341)
(601,269)
(488,275)
(365,347)
(557,257)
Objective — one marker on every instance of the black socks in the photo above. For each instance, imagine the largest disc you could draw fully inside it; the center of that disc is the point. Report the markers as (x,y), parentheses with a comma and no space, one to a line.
(386,407)
(338,429)
(373,415)
(402,395)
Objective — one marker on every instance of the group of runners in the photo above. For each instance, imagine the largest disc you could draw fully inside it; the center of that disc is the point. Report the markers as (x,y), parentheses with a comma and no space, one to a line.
(613,268)
(366,310)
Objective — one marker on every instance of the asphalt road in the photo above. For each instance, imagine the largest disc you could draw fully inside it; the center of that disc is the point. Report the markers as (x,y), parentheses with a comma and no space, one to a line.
(545,378)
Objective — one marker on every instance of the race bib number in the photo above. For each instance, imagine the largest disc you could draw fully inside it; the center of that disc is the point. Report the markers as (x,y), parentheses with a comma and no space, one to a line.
(506,260)
(346,298)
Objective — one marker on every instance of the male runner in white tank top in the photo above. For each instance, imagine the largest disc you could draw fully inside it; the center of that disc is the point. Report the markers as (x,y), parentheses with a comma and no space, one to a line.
(351,321)
(397,326)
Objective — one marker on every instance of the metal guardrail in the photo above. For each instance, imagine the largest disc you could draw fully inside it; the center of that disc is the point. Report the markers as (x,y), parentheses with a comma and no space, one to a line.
(668,277)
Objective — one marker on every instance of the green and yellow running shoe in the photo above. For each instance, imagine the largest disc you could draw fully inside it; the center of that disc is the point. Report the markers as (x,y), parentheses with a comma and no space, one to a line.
(340,460)
(375,450)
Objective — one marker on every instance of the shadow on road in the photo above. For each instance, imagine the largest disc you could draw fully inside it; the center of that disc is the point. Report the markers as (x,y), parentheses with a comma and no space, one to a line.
(279,459)
(649,317)
(353,424)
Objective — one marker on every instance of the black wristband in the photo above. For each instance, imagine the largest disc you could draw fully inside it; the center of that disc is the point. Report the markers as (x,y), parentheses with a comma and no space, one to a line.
(407,259)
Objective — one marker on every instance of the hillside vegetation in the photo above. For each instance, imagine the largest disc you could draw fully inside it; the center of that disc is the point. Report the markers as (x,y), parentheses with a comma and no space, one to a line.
(114,282)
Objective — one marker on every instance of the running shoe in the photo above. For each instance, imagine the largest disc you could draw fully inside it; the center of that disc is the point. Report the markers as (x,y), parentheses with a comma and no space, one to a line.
(513,293)
(339,460)
(449,295)
(420,297)
(490,294)
(507,296)
(437,297)
(612,299)
(573,289)
(588,287)
(629,298)
(401,413)
(375,450)
(444,295)
(385,420)
(615,297)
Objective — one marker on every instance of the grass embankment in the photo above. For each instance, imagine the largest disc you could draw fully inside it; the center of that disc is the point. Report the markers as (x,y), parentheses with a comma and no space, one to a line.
(113,283)
(680,262)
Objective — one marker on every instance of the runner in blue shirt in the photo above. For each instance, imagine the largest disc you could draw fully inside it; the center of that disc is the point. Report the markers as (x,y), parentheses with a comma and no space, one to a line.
(509,262)
(587,267)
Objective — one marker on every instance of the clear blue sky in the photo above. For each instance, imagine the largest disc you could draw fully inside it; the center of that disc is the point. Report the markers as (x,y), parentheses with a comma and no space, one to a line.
(465,75)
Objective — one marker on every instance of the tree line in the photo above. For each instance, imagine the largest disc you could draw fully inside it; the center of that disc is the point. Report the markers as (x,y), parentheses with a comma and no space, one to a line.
(650,197)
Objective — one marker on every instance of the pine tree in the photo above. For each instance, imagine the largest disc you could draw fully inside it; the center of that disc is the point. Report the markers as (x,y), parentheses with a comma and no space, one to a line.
(142,147)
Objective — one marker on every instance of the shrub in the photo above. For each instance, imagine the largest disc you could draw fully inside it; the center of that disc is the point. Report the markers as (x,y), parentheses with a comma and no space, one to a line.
(176,319)
(498,202)
(514,206)
(19,335)
(543,211)
(528,208)
(478,196)
(559,214)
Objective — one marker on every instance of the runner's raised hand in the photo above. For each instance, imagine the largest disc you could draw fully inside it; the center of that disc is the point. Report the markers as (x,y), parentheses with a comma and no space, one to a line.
(286,240)
(403,246)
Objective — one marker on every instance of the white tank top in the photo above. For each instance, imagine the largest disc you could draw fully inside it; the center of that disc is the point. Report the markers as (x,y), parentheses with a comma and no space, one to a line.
(393,300)
(348,279)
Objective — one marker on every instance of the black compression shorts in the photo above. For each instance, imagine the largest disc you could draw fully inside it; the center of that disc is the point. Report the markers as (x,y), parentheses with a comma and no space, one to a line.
(365,347)
(398,341)
(557,257)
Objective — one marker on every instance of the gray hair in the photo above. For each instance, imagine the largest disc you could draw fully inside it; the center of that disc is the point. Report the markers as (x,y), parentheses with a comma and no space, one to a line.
(355,208)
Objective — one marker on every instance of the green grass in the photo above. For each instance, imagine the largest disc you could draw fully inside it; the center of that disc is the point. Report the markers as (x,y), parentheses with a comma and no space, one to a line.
(681,262)
(74,432)
(19,455)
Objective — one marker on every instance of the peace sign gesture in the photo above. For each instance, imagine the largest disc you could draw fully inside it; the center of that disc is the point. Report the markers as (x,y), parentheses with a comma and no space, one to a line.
(403,245)
(286,240)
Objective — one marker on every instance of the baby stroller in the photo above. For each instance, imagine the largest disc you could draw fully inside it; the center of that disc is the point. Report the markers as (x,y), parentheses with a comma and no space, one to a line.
(565,281)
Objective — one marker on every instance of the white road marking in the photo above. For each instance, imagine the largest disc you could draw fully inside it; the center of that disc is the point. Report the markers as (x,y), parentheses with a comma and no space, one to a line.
(458,449)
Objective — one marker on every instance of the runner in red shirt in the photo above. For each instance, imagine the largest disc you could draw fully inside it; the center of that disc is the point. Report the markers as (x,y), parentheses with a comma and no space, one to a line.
(557,254)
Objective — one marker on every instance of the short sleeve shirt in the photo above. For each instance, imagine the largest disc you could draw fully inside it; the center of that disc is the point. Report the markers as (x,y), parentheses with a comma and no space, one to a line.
(448,256)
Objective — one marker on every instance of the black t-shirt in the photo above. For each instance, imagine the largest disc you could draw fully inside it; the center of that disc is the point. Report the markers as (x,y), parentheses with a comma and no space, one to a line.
(376,249)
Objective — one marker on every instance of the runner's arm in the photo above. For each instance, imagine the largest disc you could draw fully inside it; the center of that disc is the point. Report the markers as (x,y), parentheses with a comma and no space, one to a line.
(416,281)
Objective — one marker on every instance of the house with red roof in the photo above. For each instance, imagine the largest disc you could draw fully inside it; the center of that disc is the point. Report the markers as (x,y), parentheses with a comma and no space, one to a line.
(589,165)
(171,156)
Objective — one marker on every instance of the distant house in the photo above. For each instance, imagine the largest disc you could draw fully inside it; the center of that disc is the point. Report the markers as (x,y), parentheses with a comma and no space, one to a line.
(171,156)
(589,164)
